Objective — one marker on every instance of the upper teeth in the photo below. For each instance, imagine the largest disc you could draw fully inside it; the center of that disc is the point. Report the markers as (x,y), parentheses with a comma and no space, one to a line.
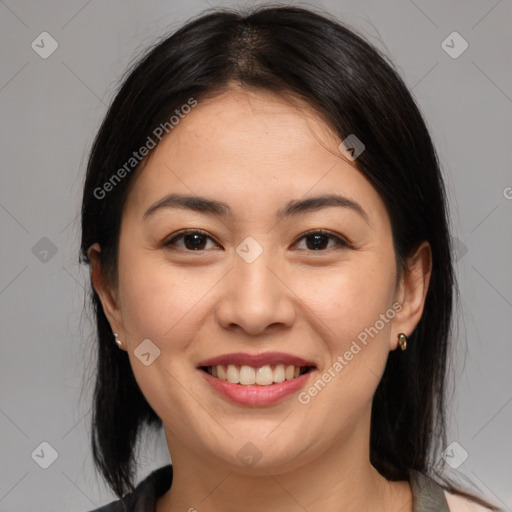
(246,375)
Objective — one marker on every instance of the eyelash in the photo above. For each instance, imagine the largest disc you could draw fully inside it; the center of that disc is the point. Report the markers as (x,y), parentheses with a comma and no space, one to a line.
(340,243)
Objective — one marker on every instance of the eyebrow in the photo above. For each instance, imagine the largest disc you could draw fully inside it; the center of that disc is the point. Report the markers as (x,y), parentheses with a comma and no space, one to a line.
(220,209)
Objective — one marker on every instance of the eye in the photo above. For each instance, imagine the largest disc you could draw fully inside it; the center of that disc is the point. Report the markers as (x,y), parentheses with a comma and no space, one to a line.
(193,239)
(318,239)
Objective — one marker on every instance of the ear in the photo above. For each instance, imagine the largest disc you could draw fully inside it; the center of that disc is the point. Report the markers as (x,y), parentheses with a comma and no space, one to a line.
(108,297)
(411,293)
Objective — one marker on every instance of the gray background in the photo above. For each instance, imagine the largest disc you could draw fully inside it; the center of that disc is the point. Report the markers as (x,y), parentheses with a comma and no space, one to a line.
(50,110)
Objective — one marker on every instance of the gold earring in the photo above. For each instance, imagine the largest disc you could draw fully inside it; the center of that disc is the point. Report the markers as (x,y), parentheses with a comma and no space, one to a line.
(402,341)
(117,341)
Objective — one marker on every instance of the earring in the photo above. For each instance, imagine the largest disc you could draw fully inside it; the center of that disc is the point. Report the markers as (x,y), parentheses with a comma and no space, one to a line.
(117,341)
(402,341)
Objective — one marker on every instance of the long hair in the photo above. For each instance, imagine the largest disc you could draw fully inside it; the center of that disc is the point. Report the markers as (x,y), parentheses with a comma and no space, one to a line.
(301,53)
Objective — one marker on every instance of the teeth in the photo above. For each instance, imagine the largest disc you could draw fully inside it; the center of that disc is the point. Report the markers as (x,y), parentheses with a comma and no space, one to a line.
(279,373)
(221,372)
(264,376)
(233,375)
(247,375)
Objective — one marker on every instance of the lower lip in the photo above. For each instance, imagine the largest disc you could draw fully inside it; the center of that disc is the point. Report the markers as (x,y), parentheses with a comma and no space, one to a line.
(256,395)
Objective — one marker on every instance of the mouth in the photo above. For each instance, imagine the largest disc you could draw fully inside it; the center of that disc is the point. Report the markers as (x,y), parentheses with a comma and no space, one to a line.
(266,375)
(256,380)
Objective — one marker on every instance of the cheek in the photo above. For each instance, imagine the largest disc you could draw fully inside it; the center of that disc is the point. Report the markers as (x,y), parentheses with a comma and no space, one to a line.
(348,299)
(160,303)
(157,299)
(350,304)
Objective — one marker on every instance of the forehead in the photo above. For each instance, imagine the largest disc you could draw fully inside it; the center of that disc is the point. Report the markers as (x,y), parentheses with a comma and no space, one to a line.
(250,149)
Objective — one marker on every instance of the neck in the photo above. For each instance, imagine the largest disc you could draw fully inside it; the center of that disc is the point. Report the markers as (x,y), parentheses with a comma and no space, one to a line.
(339,478)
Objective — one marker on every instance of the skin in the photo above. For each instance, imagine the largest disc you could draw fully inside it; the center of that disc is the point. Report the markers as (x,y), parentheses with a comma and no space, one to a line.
(255,151)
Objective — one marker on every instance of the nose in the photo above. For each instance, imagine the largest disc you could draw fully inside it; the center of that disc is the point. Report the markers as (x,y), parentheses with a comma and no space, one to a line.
(255,297)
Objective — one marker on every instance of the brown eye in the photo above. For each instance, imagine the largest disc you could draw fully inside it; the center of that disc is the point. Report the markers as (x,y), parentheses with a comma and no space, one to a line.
(196,240)
(193,240)
(318,240)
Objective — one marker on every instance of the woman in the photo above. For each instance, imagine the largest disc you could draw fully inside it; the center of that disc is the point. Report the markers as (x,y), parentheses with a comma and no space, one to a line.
(266,225)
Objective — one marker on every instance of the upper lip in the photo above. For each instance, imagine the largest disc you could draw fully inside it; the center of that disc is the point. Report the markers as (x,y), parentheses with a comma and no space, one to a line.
(256,360)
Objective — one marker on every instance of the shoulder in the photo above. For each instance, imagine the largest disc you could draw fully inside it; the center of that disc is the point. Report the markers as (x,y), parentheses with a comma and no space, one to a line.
(431,495)
(114,506)
(145,495)
(459,503)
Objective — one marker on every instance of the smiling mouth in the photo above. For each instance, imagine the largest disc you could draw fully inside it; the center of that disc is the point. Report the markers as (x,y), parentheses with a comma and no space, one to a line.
(266,375)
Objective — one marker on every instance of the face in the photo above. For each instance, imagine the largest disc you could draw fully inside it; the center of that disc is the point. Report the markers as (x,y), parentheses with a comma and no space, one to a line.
(256,286)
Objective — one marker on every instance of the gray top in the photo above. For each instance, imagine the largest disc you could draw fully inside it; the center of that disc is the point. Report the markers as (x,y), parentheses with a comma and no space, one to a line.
(428,495)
